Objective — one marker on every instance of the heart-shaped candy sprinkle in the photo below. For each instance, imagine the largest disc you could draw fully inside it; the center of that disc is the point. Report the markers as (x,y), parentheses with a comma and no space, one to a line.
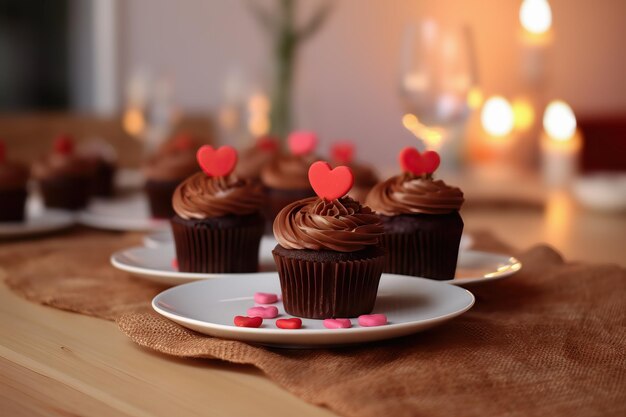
(292,323)
(264,312)
(64,145)
(418,164)
(342,152)
(330,184)
(371,320)
(337,323)
(265,298)
(217,162)
(243,321)
(302,143)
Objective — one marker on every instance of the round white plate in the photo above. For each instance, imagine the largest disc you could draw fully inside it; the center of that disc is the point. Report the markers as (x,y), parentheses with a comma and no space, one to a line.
(165,237)
(39,220)
(127,213)
(155,264)
(209,307)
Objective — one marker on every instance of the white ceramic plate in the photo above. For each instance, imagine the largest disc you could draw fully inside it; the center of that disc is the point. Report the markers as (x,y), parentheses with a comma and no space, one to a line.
(209,307)
(165,237)
(127,213)
(39,220)
(155,264)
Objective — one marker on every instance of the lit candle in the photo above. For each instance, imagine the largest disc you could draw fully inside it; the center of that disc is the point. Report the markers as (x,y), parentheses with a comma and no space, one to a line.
(560,144)
(536,19)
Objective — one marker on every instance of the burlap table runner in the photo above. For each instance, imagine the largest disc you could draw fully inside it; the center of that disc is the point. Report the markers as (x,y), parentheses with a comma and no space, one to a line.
(550,341)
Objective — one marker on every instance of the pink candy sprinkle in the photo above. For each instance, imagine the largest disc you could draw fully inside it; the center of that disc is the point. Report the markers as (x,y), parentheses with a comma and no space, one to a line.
(265,298)
(263,312)
(337,323)
(371,320)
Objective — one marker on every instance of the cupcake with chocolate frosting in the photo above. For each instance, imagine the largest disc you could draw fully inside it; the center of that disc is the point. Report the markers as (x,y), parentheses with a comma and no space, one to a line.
(285,177)
(172,163)
(64,177)
(254,158)
(421,217)
(13,179)
(218,223)
(342,153)
(329,256)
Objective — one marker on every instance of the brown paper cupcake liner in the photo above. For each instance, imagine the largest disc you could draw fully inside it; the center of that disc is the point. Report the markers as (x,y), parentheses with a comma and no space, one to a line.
(66,193)
(160,197)
(211,248)
(430,253)
(327,289)
(12,204)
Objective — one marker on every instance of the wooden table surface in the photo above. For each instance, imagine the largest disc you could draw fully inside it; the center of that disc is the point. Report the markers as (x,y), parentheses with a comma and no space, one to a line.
(63,364)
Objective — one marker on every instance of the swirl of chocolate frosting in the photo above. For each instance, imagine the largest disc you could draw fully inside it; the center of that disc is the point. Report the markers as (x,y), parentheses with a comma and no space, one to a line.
(407,194)
(341,225)
(288,172)
(201,197)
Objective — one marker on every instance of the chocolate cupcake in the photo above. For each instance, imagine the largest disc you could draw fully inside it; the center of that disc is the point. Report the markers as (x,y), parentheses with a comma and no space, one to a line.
(253,159)
(286,177)
(421,217)
(164,171)
(64,177)
(13,180)
(328,255)
(342,153)
(103,157)
(218,225)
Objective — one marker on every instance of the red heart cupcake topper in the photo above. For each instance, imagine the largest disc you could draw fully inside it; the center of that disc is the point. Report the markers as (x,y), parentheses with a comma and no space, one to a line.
(302,143)
(418,164)
(342,152)
(330,184)
(183,142)
(64,145)
(267,144)
(217,162)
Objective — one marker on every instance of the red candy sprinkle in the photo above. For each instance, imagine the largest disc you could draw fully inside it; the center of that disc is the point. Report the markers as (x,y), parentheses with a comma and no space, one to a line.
(64,145)
(243,321)
(217,162)
(292,323)
(330,184)
(418,164)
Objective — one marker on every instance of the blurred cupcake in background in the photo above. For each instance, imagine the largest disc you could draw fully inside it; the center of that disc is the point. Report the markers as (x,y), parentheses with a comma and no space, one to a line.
(218,223)
(342,153)
(13,192)
(253,159)
(421,217)
(286,176)
(104,159)
(174,161)
(64,177)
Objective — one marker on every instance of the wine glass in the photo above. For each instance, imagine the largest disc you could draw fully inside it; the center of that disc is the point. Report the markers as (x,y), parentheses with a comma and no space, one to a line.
(437,72)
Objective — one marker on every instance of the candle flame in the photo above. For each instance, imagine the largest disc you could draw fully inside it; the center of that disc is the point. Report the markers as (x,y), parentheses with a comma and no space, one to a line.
(559,121)
(535,16)
(497,116)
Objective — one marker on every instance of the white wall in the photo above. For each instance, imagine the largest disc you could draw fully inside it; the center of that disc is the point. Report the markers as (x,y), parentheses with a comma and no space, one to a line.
(347,81)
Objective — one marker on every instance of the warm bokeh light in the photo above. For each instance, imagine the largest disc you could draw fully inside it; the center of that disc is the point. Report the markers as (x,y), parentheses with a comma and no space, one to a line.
(497,116)
(410,122)
(523,114)
(134,122)
(474,98)
(559,121)
(535,16)
(258,110)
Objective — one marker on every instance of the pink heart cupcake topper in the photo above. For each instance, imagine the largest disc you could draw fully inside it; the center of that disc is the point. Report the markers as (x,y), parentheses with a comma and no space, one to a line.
(418,164)
(342,152)
(302,143)
(217,162)
(330,184)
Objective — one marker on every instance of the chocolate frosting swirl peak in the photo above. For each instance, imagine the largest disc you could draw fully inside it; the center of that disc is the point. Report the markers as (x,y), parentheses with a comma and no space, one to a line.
(407,194)
(341,225)
(201,197)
